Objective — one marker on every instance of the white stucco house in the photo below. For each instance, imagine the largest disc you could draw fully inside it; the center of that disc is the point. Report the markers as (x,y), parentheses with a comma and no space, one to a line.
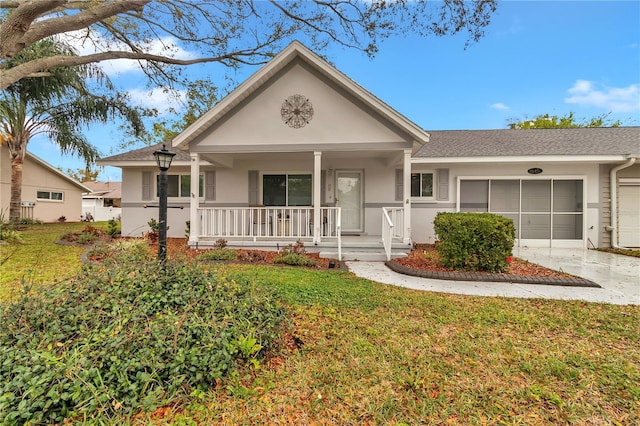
(301,151)
(103,201)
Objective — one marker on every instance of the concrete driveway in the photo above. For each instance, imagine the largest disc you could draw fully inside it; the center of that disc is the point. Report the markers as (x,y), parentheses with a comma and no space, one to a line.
(618,275)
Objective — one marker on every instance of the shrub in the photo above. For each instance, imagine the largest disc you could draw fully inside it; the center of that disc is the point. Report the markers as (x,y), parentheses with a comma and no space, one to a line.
(474,241)
(122,339)
(113,228)
(218,254)
(294,259)
(62,219)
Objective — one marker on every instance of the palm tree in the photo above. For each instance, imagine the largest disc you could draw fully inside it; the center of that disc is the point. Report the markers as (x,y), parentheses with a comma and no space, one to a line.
(56,103)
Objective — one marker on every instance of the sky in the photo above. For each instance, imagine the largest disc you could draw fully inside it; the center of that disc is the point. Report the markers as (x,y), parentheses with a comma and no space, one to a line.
(535,58)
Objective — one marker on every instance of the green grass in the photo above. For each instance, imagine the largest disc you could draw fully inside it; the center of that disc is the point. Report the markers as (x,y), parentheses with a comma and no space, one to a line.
(367,353)
(39,261)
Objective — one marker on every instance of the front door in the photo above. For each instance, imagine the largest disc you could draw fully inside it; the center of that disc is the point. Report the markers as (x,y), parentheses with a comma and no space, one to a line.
(349,199)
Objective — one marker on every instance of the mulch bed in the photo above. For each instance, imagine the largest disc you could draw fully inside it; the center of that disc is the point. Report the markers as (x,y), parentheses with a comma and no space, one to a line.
(425,257)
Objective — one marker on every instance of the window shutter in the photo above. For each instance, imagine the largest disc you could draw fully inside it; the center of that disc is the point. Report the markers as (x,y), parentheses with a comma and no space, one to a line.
(146,186)
(253,187)
(443,185)
(399,185)
(210,185)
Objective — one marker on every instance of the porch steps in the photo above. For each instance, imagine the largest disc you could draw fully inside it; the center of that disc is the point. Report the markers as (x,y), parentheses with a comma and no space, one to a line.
(365,255)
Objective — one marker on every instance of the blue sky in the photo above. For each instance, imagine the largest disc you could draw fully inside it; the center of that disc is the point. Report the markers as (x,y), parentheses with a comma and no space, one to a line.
(536,57)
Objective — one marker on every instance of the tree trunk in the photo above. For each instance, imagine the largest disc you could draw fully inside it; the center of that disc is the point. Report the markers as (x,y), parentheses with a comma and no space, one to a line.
(17,159)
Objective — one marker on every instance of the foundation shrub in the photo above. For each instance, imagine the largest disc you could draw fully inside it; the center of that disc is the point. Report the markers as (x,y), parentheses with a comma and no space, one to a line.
(218,253)
(116,340)
(474,241)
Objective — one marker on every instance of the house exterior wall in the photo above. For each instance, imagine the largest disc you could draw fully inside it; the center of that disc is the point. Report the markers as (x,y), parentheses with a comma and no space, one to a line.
(423,213)
(36,178)
(232,190)
(335,113)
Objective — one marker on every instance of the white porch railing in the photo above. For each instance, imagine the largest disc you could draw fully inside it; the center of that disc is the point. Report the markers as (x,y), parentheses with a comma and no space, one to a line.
(267,222)
(392,227)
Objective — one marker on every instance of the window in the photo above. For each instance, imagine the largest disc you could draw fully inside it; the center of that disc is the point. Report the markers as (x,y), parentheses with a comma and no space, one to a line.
(286,190)
(179,186)
(49,195)
(422,185)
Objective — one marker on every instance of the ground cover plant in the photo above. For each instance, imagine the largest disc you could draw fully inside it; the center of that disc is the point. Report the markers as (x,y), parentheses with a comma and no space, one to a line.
(127,338)
(358,352)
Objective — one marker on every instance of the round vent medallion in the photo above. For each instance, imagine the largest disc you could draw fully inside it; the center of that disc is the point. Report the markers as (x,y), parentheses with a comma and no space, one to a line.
(296,111)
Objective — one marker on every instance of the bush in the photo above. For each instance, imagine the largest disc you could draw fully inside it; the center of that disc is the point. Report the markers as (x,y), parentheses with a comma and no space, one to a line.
(218,254)
(294,259)
(474,241)
(117,340)
(113,228)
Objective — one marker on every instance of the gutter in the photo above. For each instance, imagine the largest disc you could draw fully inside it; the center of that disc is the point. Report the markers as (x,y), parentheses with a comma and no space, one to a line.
(613,180)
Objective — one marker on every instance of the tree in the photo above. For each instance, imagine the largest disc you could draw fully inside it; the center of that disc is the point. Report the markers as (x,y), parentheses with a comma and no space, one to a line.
(56,105)
(82,175)
(546,121)
(227,32)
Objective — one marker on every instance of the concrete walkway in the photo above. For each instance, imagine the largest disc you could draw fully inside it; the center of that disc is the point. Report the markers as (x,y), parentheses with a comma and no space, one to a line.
(618,275)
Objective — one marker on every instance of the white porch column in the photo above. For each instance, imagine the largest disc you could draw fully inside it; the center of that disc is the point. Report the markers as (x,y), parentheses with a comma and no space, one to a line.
(317,178)
(406,181)
(194,200)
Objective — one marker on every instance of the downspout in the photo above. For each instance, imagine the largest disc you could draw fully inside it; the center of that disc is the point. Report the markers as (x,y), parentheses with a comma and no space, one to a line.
(613,180)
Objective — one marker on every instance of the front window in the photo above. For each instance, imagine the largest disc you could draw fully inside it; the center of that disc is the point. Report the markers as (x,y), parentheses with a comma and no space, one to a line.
(286,190)
(49,195)
(422,185)
(179,186)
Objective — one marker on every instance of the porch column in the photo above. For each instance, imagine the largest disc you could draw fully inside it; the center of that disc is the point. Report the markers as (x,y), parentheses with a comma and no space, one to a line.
(406,181)
(194,200)
(317,178)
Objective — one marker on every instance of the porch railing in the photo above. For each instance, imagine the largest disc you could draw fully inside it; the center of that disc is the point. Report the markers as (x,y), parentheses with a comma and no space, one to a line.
(267,222)
(392,228)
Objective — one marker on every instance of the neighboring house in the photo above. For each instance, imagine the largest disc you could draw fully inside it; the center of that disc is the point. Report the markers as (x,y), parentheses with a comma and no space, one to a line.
(301,151)
(47,193)
(104,200)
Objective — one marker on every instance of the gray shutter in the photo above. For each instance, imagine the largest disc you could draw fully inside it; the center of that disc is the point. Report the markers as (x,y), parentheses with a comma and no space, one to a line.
(399,185)
(210,185)
(443,185)
(253,187)
(146,186)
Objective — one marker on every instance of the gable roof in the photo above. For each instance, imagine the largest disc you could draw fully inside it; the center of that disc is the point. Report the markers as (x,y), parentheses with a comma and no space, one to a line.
(297,51)
(601,143)
(104,189)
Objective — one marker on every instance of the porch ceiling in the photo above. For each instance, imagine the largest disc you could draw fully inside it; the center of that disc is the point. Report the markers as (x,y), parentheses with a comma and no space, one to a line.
(227,159)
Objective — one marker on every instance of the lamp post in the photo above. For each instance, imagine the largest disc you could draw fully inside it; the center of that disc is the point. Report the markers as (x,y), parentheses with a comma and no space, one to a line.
(163,159)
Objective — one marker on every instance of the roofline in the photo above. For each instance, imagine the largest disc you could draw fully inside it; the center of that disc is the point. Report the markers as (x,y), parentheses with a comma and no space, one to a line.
(523,159)
(283,58)
(60,173)
(145,163)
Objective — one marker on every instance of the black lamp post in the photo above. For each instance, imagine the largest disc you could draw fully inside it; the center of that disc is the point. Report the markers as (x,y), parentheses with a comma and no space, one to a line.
(163,159)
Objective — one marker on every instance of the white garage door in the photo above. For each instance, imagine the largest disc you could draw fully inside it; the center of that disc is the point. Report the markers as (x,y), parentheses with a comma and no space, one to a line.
(629,215)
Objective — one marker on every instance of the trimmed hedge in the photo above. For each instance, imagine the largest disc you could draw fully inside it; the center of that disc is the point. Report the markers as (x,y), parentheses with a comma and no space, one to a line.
(128,337)
(474,241)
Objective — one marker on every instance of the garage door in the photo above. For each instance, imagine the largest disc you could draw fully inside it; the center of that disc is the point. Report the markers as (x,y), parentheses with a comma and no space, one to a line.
(629,215)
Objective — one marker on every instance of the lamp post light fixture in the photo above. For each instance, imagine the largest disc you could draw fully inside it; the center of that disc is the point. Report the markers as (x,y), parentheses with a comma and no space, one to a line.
(163,159)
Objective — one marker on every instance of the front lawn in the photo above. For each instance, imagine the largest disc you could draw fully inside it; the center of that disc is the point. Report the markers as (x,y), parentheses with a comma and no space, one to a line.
(358,352)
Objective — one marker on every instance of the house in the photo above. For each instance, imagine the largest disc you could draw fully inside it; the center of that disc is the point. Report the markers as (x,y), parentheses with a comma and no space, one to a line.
(301,151)
(47,193)
(104,200)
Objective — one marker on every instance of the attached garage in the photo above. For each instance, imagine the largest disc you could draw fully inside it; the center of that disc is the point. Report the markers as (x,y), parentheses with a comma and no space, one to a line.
(629,212)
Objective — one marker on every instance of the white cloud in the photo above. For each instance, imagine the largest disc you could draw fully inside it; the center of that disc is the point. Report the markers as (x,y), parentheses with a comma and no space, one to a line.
(159,99)
(611,99)
(500,105)
(166,46)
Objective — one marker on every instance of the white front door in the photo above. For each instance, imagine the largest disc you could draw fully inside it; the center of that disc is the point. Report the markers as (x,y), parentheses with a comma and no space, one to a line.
(349,199)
